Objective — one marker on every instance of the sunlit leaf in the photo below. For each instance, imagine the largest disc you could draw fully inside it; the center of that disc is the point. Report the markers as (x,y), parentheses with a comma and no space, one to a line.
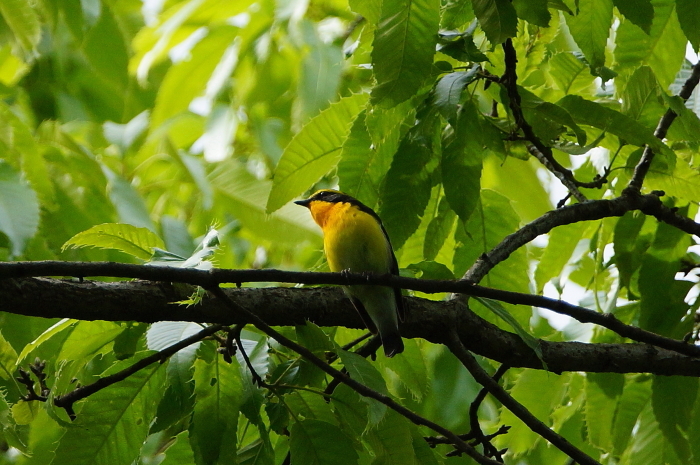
(129,239)
(497,19)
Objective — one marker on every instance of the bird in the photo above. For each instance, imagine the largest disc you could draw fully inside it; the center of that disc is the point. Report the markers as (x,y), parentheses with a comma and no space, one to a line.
(354,240)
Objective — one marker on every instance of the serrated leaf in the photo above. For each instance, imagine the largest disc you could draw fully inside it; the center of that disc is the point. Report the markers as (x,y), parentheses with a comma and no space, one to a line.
(502,313)
(662,49)
(314,442)
(88,338)
(590,29)
(23,21)
(126,238)
(671,397)
(314,150)
(8,359)
(462,162)
(439,228)
(533,11)
(599,116)
(497,18)
(408,182)
(114,422)
(639,12)
(363,372)
(403,48)
(448,91)
(689,18)
(218,389)
(290,224)
(411,369)
(19,209)
(391,440)
(45,336)
(603,391)
(635,396)
(642,97)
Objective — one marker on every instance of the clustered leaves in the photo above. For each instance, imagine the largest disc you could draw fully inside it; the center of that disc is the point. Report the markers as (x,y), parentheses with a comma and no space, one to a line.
(129,129)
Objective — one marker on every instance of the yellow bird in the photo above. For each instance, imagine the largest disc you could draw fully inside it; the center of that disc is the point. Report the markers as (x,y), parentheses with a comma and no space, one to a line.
(354,239)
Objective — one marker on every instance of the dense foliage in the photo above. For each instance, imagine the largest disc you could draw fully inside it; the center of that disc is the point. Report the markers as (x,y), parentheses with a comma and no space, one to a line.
(128,127)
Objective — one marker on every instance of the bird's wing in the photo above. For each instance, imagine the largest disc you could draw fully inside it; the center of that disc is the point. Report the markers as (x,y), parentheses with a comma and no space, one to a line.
(394,269)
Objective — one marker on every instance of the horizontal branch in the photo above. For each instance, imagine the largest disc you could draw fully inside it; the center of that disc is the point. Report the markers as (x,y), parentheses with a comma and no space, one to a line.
(150,302)
(219,276)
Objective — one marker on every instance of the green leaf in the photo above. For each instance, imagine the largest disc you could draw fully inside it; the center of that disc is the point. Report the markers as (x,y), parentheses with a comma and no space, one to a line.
(244,194)
(114,422)
(448,91)
(662,49)
(23,21)
(497,18)
(502,313)
(629,246)
(45,336)
(590,29)
(462,48)
(671,397)
(315,442)
(561,245)
(635,396)
(179,451)
(218,389)
(8,359)
(639,12)
(403,48)
(570,73)
(138,242)
(461,163)
(128,202)
(642,98)
(19,209)
(429,269)
(663,298)
(350,410)
(689,18)
(455,14)
(314,150)
(310,405)
(391,440)
(603,391)
(105,47)
(551,112)
(363,372)
(188,79)
(368,8)
(88,338)
(533,11)
(439,228)
(539,391)
(411,369)
(599,116)
(687,125)
(408,182)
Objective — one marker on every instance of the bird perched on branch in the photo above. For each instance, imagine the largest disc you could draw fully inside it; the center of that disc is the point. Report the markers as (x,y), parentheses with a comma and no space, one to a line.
(355,240)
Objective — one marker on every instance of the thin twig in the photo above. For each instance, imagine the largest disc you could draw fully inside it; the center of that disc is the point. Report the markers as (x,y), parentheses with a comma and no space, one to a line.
(356,386)
(642,168)
(67,400)
(468,360)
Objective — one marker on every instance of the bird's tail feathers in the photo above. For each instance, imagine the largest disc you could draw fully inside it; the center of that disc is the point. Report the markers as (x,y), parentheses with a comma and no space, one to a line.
(392,342)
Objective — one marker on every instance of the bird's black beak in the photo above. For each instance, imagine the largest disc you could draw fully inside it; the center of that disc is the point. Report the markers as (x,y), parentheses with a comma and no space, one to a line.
(303,203)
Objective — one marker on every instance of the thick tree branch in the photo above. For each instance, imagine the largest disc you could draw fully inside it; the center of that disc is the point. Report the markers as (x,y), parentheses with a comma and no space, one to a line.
(642,168)
(428,286)
(149,302)
(345,379)
(457,348)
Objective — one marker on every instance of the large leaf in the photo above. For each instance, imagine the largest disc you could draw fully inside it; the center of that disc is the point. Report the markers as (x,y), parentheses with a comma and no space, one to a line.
(461,163)
(590,29)
(363,372)
(596,115)
(315,442)
(391,440)
(689,18)
(19,209)
(671,397)
(497,18)
(218,397)
(23,21)
(314,150)
(244,196)
(603,391)
(639,12)
(403,48)
(663,48)
(448,91)
(114,422)
(126,238)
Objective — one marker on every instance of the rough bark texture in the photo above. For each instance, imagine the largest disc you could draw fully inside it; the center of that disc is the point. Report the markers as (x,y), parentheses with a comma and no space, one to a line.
(152,301)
